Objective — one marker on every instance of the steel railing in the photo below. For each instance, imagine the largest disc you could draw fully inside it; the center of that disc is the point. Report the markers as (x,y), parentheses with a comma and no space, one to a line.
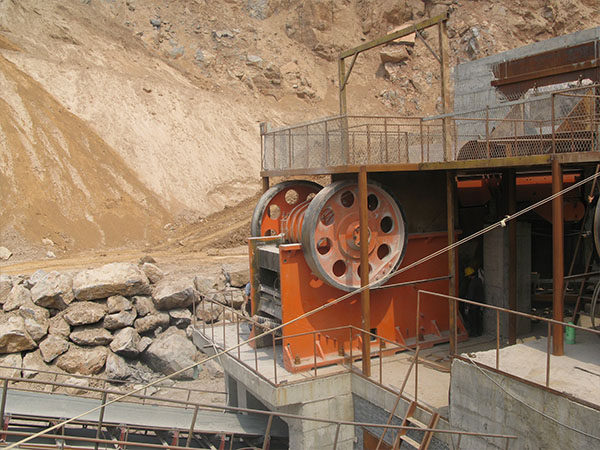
(564,121)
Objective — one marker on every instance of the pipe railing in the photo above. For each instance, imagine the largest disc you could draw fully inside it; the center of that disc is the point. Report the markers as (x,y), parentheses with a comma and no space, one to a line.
(545,124)
(498,310)
(124,441)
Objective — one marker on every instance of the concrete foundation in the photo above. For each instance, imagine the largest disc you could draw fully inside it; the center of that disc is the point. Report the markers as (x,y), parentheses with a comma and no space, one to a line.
(495,266)
(477,404)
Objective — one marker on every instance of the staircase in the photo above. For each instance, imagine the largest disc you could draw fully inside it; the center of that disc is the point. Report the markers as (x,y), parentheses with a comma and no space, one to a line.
(411,421)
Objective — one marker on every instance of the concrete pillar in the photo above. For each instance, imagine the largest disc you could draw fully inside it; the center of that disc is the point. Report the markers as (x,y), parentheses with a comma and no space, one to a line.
(232,390)
(496,283)
(319,435)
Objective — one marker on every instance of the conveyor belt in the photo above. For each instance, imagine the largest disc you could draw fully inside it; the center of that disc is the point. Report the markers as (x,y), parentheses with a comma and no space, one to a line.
(59,406)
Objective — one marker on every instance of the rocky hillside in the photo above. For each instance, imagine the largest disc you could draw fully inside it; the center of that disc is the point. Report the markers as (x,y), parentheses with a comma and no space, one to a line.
(120,116)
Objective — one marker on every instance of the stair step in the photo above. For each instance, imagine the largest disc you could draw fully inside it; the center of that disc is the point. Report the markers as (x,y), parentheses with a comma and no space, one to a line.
(410,441)
(416,422)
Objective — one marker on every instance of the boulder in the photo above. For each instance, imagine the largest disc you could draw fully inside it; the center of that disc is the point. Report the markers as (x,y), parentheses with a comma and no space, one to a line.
(58,326)
(36,320)
(85,361)
(118,303)
(206,314)
(14,336)
(171,352)
(111,279)
(180,318)
(78,386)
(84,313)
(152,322)
(12,364)
(147,259)
(394,54)
(54,290)
(6,286)
(37,330)
(204,284)
(153,273)
(117,368)
(34,278)
(126,342)
(52,347)
(119,320)
(30,309)
(234,298)
(145,342)
(174,293)
(143,305)
(5,253)
(19,295)
(91,335)
(239,278)
(33,362)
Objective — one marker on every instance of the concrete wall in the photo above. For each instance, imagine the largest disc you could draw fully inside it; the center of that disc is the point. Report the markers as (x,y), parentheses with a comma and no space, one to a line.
(472,88)
(495,266)
(477,404)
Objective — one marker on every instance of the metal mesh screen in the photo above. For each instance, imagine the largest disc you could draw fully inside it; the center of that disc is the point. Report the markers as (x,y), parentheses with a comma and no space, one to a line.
(564,121)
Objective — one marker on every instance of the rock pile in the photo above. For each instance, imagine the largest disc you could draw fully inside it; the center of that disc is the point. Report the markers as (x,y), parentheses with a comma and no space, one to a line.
(121,320)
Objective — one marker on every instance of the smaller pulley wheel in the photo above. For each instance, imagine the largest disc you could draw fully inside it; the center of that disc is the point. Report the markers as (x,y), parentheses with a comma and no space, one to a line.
(276,204)
(331,235)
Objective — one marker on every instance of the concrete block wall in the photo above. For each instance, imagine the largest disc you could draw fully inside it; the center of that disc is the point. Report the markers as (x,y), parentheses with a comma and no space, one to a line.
(472,88)
(477,404)
(495,266)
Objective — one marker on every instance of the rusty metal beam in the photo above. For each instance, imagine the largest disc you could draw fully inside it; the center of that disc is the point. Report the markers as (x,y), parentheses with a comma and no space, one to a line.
(452,313)
(475,164)
(543,73)
(557,260)
(365,300)
(512,255)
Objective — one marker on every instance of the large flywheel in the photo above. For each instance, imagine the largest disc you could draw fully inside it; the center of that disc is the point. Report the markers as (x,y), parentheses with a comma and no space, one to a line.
(331,235)
(276,204)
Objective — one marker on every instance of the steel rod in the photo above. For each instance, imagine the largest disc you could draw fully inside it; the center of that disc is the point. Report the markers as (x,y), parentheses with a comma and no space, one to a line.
(557,257)
(364,269)
(192,425)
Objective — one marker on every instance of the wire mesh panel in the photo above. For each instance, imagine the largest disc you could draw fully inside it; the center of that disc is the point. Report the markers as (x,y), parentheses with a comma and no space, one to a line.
(555,122)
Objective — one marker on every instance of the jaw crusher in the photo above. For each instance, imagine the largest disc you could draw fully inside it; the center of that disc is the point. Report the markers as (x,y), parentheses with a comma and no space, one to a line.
(305,252)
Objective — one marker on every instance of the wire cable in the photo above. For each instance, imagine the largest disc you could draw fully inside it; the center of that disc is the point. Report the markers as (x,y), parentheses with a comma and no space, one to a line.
(501,223)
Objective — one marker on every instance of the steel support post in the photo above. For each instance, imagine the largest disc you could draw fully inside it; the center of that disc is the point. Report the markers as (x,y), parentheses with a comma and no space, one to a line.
(557,259)
(444,86)
(512,255)
(265,184)
(364,270)
(450,205)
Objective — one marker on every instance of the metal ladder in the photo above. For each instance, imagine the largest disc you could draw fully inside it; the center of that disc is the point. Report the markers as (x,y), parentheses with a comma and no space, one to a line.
(410,420)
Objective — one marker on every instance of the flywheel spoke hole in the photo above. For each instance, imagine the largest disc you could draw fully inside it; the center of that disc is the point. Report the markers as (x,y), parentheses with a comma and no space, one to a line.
(274,212)
(347,199)
(372,202)
(291,197)
(327,216)
(382,251)
(310,196)
(358,269)
(339,268)
(387,224)
(324,245)
(270,233)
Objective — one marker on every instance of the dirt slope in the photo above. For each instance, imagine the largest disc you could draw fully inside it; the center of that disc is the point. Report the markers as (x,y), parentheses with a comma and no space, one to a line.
(59,180)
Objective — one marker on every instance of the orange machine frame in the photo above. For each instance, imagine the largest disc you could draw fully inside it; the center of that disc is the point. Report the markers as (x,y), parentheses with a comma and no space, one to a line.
(393,310)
